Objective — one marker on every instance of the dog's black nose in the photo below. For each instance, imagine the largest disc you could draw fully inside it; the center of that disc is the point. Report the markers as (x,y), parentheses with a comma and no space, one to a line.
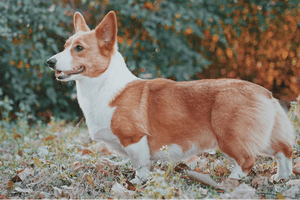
(51,62)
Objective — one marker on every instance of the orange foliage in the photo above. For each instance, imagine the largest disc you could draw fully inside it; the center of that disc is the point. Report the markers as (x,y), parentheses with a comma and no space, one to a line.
(270,58)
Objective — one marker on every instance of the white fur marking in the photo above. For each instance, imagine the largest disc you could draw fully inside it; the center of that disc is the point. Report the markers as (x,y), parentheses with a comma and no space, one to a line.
(284,167)
(64,59)
(237,172)
(139,155)
(94,96)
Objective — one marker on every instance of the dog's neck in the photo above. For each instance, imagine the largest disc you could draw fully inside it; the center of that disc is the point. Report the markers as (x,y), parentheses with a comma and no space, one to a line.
(95,94)
(114,78)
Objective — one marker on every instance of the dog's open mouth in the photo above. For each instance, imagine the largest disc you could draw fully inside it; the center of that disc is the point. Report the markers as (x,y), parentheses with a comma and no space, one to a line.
(66,74)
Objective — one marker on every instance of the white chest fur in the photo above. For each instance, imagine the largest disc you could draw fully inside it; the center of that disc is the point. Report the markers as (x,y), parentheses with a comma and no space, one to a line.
(94,96)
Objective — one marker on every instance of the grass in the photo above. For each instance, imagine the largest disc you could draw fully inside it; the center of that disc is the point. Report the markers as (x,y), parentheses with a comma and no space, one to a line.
(59,160)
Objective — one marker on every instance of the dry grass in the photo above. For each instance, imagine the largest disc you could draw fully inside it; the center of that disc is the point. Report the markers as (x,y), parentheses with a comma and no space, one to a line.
(58,160)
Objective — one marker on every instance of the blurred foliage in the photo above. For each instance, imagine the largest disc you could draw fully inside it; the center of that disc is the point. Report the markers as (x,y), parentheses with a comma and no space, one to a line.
(182,40)
(264,45)
(30,32)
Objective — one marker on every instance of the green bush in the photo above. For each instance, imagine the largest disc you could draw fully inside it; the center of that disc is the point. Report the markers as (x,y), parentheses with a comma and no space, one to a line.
(30,32)
(180,40)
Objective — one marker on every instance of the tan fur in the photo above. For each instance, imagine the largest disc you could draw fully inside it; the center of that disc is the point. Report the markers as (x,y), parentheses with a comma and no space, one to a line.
(238,116)
(98,45)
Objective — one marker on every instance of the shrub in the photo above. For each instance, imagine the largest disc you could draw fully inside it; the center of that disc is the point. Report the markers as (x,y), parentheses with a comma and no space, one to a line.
(31,31)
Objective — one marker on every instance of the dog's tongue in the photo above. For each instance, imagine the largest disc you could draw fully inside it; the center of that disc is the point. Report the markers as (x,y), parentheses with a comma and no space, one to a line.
(56,74)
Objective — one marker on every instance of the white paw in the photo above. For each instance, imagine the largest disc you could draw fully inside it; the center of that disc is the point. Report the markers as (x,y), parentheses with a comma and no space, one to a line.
(277,178)
(237,173)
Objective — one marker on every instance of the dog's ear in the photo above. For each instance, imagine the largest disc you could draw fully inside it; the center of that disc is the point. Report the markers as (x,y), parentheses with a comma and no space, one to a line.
(79,23)
(106,32)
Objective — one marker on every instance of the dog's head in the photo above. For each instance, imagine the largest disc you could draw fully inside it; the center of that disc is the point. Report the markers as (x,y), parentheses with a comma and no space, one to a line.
(87,52)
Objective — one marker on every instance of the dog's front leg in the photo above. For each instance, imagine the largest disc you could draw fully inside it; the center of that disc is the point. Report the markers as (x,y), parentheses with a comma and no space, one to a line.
(139,155)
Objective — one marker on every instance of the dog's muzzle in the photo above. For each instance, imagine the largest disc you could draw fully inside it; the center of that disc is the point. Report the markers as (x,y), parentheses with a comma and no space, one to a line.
(60,75)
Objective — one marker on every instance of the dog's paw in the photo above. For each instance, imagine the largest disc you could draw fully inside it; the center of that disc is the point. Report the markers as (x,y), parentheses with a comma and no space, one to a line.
(277,178)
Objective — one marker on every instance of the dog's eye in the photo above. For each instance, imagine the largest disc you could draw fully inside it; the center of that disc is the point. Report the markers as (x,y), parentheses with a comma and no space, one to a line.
(78,48)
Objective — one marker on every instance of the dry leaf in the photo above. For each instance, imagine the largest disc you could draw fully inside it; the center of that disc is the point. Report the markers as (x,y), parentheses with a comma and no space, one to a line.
(57,191)
(25,173)
(181,166)
(193,162)
(49,138)
(6,184)
(221,171)
(16,178)
(293,182)
(119,191)
(129,185)
(37,162)
(18,189)
(104,162)
(3,196)
(228,184)
(203,163)
(243,192)
(77,166)
(203,178)
(86,151)
(296,169)
(280,196)
(292,192)
(259,180)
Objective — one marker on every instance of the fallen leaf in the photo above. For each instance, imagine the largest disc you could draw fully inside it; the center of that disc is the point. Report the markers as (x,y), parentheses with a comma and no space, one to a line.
(5,184)
(129,185)
(57,192)
(193,162)
(77,166)
(181,166)
(228,184)
(104,162)
(203,178)
(10,184)
(243,192)
(67,187)
(17,136)
(292,192)
(280,196)
(25,173)
(203,163)
(86,151)
(221,171)
(293,182)
(16,179)
(119,191)
(43,151)
(3,196)
(296,169)
(203,191)
(49,138)
(37,162)
(18,189)
(259,180)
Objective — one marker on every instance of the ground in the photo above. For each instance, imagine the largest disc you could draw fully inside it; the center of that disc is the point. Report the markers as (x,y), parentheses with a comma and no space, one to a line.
(59,160)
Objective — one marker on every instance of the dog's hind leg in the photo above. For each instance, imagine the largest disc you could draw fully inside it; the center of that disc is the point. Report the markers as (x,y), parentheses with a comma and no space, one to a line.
(139,155)
(281,142)
(241,157)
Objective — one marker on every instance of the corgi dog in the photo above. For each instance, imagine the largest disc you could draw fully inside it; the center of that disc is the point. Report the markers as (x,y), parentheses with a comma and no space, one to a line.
(137,117)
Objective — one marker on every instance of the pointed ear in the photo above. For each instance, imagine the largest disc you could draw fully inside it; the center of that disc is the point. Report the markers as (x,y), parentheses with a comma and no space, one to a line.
(106,32)
(79,23)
